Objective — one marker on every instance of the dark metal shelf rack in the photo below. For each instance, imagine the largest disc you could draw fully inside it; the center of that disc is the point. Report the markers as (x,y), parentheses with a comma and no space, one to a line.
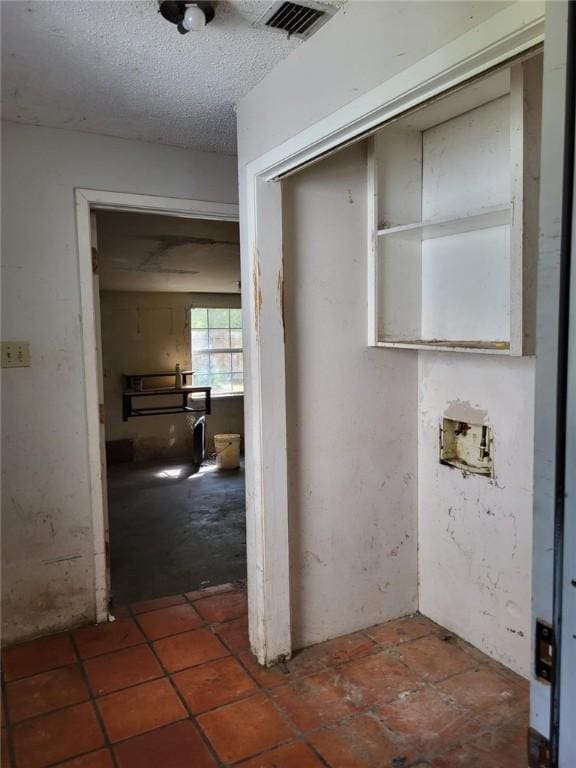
(130,391)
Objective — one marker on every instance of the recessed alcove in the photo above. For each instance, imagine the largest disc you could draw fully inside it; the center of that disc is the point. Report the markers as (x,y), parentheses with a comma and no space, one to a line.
(452,245)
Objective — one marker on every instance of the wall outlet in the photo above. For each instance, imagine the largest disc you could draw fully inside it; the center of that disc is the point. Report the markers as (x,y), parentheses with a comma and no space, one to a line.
(15,354)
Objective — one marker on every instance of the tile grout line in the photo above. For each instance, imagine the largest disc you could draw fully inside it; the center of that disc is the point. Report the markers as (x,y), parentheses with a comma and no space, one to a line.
(259,689)
(7,719)
(434,685)
(235,654)
(268,694)
(304,735)
(94,694)
(390,650)
(184,703)
(461,709)
(369,710)
(377,648)
(423,684)
(166,675)
(301,734)
(92,699)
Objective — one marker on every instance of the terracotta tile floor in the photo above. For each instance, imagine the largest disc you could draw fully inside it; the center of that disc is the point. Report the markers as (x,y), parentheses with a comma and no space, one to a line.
(172,684)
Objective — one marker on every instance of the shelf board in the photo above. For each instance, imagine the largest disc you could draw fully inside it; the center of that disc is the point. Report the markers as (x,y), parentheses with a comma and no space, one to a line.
(494,216)
(187,390)
(446,345)
(155,375)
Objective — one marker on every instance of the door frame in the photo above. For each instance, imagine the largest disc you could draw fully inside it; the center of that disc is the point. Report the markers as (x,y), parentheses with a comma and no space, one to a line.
(86,201)
(553,703)
(509,33)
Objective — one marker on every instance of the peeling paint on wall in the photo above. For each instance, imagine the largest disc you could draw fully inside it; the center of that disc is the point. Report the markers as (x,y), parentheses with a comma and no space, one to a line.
(257,293)
(280,287)
(475,533)
(463,410)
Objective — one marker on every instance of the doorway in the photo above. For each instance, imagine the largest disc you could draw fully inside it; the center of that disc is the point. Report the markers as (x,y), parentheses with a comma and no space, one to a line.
(171,331)
(168,519)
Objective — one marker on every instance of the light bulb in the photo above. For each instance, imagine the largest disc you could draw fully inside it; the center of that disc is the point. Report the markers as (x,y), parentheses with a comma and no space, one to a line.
(194,19)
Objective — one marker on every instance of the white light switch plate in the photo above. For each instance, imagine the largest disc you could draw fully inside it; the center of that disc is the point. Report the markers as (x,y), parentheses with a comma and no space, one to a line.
(15,354)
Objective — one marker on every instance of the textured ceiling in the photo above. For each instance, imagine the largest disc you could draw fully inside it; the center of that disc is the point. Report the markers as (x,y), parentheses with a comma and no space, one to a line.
(148,252)
(118,68)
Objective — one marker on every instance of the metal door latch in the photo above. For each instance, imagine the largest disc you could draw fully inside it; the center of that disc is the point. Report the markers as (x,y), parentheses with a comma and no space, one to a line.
(544,647)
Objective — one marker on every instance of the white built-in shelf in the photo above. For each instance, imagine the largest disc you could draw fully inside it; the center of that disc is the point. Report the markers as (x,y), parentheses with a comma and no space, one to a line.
(446,345)
(485,218)
(452,225)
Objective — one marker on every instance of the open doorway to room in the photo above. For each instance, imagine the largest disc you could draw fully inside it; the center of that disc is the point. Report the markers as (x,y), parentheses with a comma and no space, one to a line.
(172,369)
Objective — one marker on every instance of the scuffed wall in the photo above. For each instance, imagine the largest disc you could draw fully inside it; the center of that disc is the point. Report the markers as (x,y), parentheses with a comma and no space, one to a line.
(48,549)
(151,332)
(352,418)
(475,533)
(353,413)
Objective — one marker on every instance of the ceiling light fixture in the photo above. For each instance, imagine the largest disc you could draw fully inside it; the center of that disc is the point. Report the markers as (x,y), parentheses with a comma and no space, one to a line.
(188,17)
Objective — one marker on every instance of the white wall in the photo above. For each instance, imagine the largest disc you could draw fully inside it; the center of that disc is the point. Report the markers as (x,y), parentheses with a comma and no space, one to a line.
(466,167)
(355,466)
(149,331)
(352,418)
(364,45)
(474,532)
(48,579)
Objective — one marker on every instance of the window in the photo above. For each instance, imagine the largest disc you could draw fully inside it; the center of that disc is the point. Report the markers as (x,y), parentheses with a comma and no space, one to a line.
(217,359)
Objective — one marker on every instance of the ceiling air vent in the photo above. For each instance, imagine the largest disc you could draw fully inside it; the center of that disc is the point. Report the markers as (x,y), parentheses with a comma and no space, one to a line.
(296,18)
